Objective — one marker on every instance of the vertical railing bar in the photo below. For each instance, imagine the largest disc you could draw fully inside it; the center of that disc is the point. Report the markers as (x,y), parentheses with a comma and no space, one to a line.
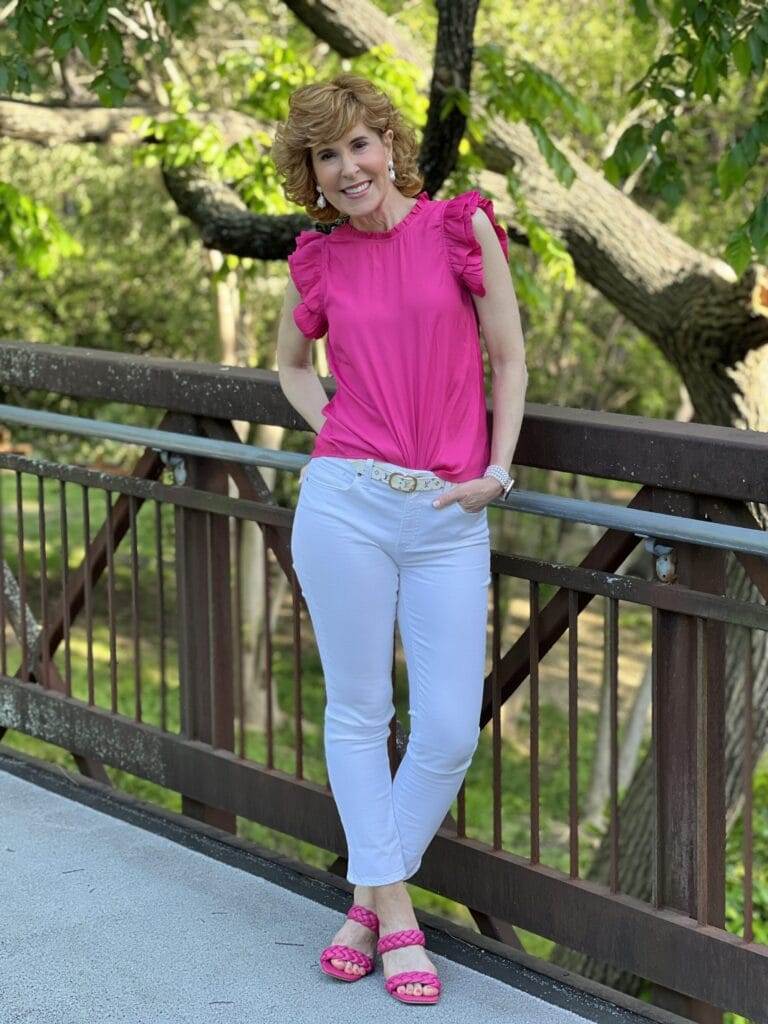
(238,637)
(22,580)
(461,810)
(573,731)
(268,652)
(298,703)
(212,638)
(180,524)
(135,606)
(749,682)
(612,610)
(161,614)
(111,602)
(658,853)
(533,602)
(45,654)
(702,810)
(496,709)
(88,592)
(67,625)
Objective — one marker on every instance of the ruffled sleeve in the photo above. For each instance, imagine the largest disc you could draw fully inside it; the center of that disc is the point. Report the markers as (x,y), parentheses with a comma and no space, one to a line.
(307,265)
(465,255)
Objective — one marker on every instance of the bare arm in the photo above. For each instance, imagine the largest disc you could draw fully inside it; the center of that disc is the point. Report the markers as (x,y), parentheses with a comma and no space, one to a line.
(499,317)
(298,379)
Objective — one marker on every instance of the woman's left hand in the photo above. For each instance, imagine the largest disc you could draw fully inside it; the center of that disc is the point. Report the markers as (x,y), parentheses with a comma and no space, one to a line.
(473,495)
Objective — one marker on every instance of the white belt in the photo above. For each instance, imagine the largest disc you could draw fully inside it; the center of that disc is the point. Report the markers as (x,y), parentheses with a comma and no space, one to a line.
(399,481)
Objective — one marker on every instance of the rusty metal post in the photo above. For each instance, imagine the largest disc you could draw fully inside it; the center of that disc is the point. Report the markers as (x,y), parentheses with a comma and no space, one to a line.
(689,738)
(206,666)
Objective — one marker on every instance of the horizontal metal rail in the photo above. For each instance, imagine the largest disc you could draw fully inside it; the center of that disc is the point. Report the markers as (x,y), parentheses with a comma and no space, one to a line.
(655,525)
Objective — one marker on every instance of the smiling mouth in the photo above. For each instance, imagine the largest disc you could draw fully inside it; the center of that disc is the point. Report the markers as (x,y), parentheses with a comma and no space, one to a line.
(361,191)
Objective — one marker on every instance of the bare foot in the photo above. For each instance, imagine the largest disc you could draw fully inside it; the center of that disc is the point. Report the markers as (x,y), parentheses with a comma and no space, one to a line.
(395,910)
(356,935)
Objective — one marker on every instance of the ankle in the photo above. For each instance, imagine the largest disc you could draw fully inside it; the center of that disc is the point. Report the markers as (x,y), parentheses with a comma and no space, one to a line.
(365,896)
(394,908)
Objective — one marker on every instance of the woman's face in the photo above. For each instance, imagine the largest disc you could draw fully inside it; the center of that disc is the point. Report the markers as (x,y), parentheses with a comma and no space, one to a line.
(357,158)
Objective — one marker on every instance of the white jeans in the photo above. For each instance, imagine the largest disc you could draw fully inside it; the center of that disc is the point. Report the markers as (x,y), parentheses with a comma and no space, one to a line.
(365,554)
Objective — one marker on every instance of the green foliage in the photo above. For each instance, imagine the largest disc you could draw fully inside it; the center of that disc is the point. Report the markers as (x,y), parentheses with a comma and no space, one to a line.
(100,31)
(265,77)
(708,41)
(735,859)
(140,284)
(555,260)
(32,233)
(520,91)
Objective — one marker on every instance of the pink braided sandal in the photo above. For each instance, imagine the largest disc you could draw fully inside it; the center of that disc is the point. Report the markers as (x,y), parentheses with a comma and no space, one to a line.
(396,940)
(363,916)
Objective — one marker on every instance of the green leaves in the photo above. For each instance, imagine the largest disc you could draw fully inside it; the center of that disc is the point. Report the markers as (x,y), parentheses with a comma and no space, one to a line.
(520,91)
(738,251)
(641,10)
(756,44)
(710,38)
(564,173)
(41,32)
(32,234)
(749,241)
(554,259)
(631,149)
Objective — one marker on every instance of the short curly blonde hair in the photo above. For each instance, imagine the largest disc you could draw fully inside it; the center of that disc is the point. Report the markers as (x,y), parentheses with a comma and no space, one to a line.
(324,111)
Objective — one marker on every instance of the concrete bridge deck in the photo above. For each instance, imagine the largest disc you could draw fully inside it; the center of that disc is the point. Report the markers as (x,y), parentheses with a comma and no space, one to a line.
(116,912)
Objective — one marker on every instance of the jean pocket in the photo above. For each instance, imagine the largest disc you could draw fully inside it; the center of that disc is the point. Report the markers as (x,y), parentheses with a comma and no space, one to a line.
(333,473)
(464,511)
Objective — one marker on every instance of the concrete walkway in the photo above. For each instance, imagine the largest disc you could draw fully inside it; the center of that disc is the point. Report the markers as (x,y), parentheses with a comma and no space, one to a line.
(104,921)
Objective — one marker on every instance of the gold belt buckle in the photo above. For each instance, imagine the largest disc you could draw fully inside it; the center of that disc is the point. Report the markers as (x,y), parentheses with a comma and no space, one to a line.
(411,480)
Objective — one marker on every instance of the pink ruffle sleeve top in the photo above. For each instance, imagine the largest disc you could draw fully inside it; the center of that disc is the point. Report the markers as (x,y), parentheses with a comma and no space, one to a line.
(403,336)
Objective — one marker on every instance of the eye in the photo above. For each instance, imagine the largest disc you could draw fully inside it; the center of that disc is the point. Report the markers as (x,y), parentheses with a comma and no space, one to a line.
(358,145)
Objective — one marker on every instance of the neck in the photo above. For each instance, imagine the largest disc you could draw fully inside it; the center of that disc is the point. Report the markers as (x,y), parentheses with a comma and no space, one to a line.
(390,211)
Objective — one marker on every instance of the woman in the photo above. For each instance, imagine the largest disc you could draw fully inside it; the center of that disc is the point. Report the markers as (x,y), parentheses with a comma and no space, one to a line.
(391,522)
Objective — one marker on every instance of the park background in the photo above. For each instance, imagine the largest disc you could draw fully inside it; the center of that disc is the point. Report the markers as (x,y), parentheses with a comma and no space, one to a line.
(125,125)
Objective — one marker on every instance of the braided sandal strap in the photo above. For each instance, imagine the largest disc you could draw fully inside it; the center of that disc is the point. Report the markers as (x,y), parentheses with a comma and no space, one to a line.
(396,940)
(415,977)
(364,916)
(346,953)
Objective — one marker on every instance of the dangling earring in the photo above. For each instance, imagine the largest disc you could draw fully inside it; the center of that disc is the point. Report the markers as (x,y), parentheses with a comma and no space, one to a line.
(321,198)
(391,167)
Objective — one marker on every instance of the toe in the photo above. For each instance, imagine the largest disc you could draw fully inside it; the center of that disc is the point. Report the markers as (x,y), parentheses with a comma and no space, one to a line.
(417,989)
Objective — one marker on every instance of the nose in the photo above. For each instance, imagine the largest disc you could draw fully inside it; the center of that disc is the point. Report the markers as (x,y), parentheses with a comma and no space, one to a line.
(348,167)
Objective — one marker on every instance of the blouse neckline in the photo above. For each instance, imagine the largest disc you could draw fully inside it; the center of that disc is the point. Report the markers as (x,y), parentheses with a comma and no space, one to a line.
(421,200)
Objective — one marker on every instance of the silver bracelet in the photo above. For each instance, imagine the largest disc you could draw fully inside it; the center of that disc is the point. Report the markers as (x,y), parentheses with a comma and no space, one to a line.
(500,474)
